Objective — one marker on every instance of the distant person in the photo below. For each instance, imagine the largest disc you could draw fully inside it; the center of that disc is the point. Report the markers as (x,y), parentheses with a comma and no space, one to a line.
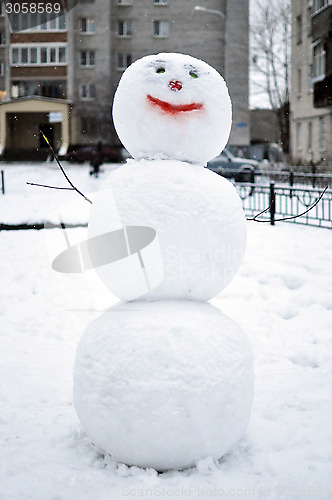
(97,160)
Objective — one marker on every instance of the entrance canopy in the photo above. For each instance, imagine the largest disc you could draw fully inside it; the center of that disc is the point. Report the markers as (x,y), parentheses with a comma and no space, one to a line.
(22,119)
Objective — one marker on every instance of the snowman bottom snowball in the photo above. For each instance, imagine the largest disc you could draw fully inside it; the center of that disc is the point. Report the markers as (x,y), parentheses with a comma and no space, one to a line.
(163,384)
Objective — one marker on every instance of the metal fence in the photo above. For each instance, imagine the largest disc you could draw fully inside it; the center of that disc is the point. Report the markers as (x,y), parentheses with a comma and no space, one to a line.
(283,202)
(2,182)
(294,178)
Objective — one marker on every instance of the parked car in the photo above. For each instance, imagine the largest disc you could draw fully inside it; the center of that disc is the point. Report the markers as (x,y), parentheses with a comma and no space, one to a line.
(230,166)
(89,153)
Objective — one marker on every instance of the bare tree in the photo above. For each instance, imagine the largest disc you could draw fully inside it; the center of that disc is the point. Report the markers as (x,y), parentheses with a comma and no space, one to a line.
(271,42)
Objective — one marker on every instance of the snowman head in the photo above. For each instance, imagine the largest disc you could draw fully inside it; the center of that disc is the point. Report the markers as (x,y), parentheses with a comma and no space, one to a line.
(172,106)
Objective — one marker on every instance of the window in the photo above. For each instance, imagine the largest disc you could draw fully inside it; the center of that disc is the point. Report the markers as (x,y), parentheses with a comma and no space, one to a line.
(161,29)
(38,22)
(319,62)
(319,4)
(309,136)
(87,25)
(298,29)
(26,55)
(298,135)
(310,84)
(88,58)
(15,56)
(2,9)
(322,134)
(160,2)
(88,91)
(34,56)
(299,82)
(43,55)
(2,69)
(53,55)
(56,89)
(125,28)
(2,38)
(62,55)
(123,61)
(125,2)
(309,14)
(62,22)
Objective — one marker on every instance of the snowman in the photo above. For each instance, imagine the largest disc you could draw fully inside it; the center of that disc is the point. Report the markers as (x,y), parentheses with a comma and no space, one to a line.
(164,378)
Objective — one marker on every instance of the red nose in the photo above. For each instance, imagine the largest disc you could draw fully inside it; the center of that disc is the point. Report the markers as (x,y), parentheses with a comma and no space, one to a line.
(175,85)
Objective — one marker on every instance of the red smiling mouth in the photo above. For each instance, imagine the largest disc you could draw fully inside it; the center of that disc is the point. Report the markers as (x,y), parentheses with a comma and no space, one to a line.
(174,108)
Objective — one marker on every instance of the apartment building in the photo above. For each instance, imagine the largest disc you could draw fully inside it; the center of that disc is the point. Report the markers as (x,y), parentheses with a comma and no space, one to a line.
(311,93)
(67,68)
(35,80)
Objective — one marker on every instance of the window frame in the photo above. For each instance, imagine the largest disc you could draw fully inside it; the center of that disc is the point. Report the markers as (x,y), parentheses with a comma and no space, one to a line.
(126,33)
(88,58)
(298,24)
(41,26)
(322,135)
(38,49)
(310,132)
(87,95)
(89,22)
(159,33)
(299,135)
(319,60)
(128,58)
(299,82)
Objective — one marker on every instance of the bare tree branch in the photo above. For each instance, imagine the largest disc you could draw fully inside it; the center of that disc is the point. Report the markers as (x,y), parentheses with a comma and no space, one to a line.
(62,169)
(271,33)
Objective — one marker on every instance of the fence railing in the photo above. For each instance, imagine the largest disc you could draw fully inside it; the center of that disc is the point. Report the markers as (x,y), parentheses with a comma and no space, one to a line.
(286,177)
(2,182)
(294,178)
(286,202)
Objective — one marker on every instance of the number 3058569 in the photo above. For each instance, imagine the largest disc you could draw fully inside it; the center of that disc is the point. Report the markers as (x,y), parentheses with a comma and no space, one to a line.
(32,8)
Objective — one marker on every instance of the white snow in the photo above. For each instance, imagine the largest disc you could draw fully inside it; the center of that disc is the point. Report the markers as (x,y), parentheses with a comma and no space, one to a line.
(39,202)
(147,116)
(199,222)
(163,384)
(281,297)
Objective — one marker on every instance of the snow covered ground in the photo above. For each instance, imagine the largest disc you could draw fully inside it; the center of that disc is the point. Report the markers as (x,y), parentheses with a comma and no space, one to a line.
(282,297)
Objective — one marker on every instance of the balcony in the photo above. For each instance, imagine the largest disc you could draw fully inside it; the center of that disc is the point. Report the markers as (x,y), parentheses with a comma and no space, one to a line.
(55,89)
(323,92)
(321,23)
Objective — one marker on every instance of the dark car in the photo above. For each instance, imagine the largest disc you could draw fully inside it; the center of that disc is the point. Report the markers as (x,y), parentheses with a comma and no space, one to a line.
(230,166)
(89,153)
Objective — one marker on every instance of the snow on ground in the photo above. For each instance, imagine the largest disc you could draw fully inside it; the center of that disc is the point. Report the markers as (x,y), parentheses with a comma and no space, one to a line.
(38,201)
(282,297)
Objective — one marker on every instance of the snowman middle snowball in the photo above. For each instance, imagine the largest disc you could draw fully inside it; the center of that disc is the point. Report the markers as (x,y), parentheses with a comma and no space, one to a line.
(172,106)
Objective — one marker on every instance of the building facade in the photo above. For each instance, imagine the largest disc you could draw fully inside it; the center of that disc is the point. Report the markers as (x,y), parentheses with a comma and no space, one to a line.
(311,89)
(79,57)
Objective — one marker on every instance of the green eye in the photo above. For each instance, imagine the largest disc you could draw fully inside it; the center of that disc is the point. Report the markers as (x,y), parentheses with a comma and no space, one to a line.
(160,70)
(193,74)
